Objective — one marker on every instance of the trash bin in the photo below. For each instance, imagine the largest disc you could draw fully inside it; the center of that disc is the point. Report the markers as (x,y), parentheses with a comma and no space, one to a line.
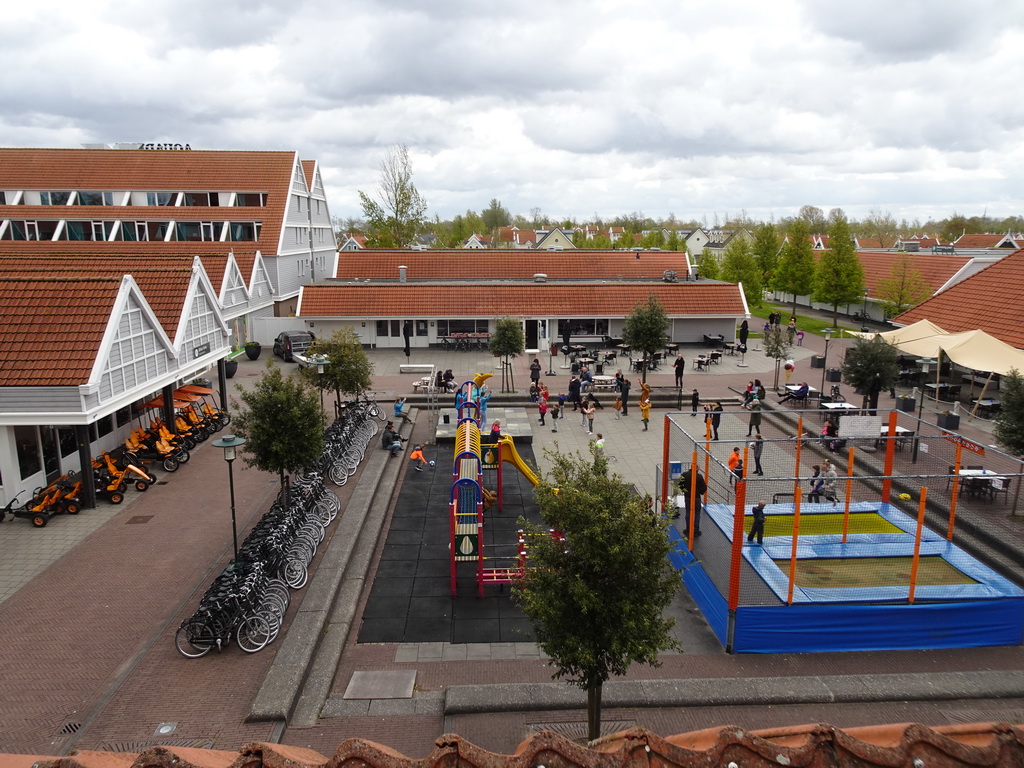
(599,367)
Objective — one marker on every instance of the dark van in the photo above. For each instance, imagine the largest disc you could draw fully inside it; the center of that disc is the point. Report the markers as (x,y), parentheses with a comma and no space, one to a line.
(290,343)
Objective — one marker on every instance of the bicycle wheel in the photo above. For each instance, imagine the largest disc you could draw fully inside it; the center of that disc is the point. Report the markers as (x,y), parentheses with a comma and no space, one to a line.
(295,574)
(191,639)
(170,464)
(253,633)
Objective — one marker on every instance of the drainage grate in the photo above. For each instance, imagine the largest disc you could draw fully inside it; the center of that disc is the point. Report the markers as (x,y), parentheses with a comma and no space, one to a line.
(68,728)
(142,746)
(139,519)
(577,730)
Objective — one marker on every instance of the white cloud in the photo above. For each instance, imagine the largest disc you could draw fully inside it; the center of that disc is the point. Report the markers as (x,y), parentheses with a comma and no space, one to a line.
(575,108)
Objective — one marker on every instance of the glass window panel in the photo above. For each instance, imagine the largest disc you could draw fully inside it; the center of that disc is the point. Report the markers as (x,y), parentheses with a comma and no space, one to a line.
(128,231)
(46,229)
(108,198)
(68,441)
(104,426)
(187,230)
(382,327)
(44,198)
(75,230)
(90,198)
(16,231)
(59,198)
(29,460)
(242,231)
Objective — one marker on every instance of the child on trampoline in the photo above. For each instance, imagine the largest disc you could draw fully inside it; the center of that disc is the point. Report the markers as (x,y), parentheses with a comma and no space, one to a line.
(757,529)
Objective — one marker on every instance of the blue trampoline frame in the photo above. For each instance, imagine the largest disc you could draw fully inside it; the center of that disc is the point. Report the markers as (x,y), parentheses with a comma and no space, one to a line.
(856,619)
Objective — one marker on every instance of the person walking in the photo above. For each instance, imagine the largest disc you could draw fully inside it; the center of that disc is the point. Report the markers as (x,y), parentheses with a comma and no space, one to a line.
(617,406)
(716,419)
(624,393)
(755,415)
(686,485)
(756,447)
(829,479)
(757,529)
(695,402)
(574,392)
(599,444)
(542,407)
(645,412)
(589,409)
(535,368)
(680,366)
(735,465)
(555,408)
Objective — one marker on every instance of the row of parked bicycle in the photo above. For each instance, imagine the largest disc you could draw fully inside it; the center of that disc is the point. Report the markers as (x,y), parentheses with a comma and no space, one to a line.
(157,445)
(247,602)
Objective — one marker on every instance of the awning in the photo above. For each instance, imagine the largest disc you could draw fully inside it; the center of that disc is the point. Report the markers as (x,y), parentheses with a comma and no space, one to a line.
(158,402)
(195,389)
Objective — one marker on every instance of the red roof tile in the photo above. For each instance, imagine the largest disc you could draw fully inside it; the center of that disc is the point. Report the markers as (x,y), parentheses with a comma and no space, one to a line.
(542,299)
(978,241)
(935,270)
(990,300)
(893,746)
(153,170)
(461,264)
(53,328)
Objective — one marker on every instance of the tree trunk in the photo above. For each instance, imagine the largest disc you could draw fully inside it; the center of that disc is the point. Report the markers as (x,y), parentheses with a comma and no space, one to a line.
(643,369)
(835,315)
(794,303)
(593,711)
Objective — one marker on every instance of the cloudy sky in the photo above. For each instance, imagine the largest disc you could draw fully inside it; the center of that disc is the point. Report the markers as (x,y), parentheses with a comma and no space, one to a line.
(573,107)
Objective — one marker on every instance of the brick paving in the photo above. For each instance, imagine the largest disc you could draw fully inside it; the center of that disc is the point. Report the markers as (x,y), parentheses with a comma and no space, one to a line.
(90,605)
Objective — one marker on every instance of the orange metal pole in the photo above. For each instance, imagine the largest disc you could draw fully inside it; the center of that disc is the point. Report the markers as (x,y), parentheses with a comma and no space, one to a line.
(849,492)
(956,492)
(664,463)
(917,543)
(737,542)
(890,451)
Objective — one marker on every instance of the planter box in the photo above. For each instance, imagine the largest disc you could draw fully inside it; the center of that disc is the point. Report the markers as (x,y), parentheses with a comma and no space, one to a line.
(948,420)
(906,404)
(253,351)
(833,374)
(817,361)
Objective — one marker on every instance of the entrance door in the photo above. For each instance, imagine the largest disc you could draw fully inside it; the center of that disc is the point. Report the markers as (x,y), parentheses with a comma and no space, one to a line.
(531,334)
(51,453)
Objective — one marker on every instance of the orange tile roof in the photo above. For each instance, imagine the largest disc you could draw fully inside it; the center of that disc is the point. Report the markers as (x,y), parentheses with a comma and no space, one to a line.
(894,746)
(990,300)
(153,170)
(611,299)
(978,241)
(164,280)
(53,328)
(461,264)
(935,270)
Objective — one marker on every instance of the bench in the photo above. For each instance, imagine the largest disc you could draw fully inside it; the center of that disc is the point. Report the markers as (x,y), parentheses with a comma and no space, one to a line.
(427,385)
(415,368)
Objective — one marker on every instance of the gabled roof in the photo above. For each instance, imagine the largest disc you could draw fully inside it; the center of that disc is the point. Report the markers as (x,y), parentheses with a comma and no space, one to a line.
(893,746)
(990,300)
(164,281)
(53,328)
(153,170)
(457,264)
(936,271)
(985,241)
(611,299)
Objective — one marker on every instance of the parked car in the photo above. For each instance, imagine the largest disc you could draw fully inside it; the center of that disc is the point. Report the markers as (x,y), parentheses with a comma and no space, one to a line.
(289,343)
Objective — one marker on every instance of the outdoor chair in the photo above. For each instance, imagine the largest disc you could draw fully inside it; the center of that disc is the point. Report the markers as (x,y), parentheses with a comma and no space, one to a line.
(999,485)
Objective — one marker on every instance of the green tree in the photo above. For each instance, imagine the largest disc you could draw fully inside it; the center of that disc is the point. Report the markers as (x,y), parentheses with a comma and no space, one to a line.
(766,250)
(903,288)
(653,239)
(397,216)
(870,367)
(795,271)
(596,599)
(739,266)
(839,277)
(953,227)
(646,330)
(1010,419)
(495,215)
(814,218)
(674,242)
(708,265)
(775,344)
(507,341)
(282,423)
(348,371)
(881,225)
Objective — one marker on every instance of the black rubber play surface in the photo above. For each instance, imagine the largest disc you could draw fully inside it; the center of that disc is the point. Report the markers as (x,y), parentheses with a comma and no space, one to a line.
(410,600)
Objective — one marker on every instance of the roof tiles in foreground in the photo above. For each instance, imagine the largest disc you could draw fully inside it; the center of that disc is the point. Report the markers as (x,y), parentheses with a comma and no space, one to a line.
(910,745)
(991,300)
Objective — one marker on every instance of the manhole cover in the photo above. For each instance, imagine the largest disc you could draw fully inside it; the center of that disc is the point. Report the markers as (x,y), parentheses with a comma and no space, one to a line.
(139,519)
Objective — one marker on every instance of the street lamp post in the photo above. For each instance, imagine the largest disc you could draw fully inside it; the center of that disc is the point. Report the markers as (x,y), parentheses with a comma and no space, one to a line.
(824,368)
(230,444)
(864,311)
(923,362)
(321,364)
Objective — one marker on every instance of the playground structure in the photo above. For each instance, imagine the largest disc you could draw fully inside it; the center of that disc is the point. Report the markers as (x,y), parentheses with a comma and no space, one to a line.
(889,564)
(469,500)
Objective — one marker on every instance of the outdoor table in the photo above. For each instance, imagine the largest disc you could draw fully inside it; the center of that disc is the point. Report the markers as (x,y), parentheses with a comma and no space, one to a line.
(795,387)
(947,392)
(986,406)
(714,339)
(700,362)
(902,435)
(729,347)
(839,406)
(978,482)
(604,382)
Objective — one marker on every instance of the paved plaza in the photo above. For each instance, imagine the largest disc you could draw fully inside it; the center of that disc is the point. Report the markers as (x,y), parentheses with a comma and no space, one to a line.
(89,605)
